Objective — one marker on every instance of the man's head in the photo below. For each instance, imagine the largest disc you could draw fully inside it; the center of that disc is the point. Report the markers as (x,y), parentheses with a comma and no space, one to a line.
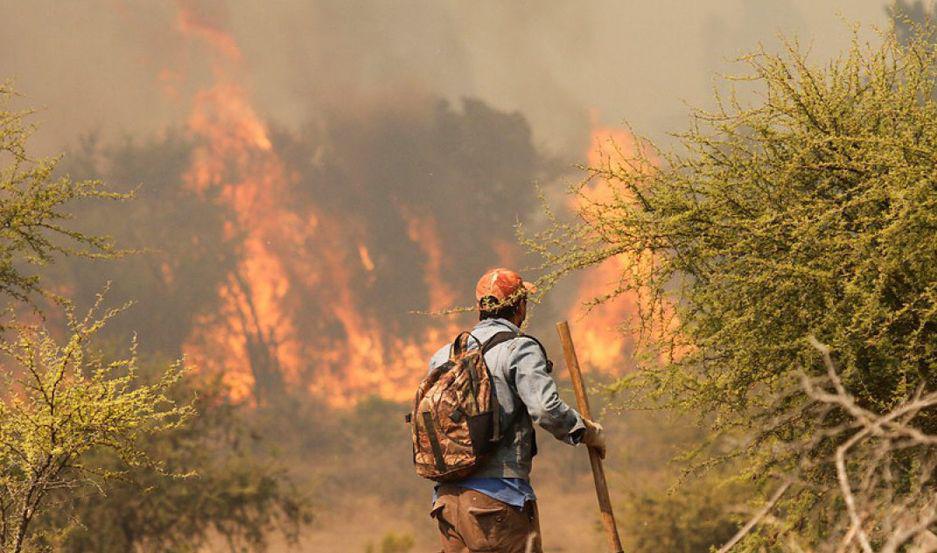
(502,294)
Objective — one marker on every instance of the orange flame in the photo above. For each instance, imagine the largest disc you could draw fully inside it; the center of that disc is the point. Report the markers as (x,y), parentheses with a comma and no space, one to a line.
(257,340)
(601,330)
(422,231)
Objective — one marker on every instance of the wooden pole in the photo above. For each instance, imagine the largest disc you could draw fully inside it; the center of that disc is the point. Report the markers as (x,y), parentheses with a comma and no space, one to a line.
(598,472)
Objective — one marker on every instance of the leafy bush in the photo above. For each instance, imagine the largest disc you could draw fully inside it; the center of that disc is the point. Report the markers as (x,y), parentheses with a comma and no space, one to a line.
(393,543)
(811,210)
(34,216)
(62,404)
(231,488)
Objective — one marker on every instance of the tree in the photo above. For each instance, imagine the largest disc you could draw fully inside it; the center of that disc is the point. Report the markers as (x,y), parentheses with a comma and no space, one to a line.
(63,402)
(33,209)
(184,255)
(234,490)
(60,401)
(810,210)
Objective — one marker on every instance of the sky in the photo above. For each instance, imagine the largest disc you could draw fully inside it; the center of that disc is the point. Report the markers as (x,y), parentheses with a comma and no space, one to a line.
(115,67)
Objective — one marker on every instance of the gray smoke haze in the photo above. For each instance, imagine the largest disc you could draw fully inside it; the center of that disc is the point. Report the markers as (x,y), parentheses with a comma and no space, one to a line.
(104,65)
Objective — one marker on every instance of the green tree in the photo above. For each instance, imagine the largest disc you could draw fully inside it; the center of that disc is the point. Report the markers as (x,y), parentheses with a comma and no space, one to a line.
(61,403)
(34,219)
(810,210)
(234,490)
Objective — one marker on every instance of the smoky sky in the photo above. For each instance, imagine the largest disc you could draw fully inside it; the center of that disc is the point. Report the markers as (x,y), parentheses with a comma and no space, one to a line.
(389,114)
(105,65)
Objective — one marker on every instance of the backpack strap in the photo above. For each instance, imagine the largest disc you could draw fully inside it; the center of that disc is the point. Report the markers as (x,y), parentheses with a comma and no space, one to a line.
(430,429)
(498,338)
(460,344)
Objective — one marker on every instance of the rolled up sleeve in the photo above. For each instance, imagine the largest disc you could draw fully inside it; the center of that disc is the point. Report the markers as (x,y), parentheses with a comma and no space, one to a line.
(537,390)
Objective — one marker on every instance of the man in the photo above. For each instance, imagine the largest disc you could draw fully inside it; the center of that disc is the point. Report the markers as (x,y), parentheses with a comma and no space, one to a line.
(495,509)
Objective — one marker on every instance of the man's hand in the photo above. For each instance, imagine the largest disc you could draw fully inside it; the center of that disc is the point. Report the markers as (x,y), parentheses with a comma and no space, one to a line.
(594,436)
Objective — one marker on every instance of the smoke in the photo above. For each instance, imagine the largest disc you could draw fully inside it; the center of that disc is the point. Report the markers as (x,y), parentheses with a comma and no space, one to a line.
(106,65)
(310,172)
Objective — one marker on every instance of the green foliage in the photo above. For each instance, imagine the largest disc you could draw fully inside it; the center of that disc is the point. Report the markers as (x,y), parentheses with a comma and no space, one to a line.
(234,489)
(97,455)
(63,402)
(910,17)
(33,218)
(811,211)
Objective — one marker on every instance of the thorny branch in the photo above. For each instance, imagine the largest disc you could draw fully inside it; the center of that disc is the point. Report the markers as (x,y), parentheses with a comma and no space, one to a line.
(883,513)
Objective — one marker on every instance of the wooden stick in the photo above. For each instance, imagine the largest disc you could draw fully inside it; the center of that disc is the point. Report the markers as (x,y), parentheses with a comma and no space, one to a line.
(598,472)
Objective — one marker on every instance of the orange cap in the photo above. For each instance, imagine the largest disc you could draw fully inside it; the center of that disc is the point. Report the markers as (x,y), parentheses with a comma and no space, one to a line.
(503,285)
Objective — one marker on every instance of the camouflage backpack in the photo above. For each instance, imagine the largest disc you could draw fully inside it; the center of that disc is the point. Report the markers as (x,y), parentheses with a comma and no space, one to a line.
(456,419)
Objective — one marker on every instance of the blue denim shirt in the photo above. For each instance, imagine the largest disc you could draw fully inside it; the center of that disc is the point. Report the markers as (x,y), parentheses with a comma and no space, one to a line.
(527,394)
(513,491)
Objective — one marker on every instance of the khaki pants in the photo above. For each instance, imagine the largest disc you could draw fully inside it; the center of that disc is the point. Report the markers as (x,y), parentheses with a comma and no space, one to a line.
(472,522)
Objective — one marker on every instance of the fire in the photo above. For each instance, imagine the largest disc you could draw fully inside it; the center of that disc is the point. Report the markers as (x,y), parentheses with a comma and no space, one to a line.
(365,255)
(422,231)
(294,311)
(290,314)
(506,251)
(600,332)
